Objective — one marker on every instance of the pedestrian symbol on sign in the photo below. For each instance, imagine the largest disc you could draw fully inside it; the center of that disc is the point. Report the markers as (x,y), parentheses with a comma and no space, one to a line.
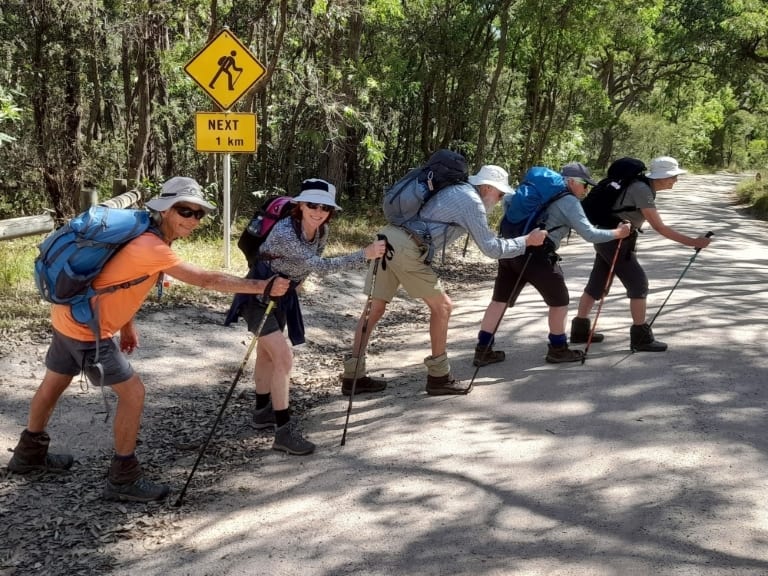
(226,65)
(225,69)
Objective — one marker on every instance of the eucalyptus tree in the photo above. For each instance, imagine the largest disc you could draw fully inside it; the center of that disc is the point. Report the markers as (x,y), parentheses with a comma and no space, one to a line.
(45,65)
(555,45)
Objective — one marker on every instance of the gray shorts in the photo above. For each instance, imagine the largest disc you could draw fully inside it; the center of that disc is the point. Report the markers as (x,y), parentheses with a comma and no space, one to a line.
(69,356)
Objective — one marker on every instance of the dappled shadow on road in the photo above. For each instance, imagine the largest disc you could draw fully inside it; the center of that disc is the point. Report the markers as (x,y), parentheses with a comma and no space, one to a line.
(629,464)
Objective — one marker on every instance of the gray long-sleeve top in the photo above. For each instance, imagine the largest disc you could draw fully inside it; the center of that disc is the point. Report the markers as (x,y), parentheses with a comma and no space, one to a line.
(458,209)
(296,257)
(567,213)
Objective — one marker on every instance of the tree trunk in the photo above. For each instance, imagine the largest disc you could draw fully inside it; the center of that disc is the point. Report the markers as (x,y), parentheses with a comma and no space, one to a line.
(56,109)
(484,128)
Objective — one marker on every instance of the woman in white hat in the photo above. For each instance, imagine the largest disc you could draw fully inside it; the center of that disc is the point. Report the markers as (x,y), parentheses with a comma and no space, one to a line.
(636,206)
(293,249)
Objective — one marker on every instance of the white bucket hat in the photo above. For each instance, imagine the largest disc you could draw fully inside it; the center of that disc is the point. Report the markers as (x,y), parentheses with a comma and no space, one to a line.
(319,192)
(664,167)
(494,176)
(180,189)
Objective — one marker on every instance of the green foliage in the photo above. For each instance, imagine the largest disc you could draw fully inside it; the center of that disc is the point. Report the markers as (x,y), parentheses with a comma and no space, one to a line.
(755,194)
(361,91)
(17,257)
(9,112)
(646,136)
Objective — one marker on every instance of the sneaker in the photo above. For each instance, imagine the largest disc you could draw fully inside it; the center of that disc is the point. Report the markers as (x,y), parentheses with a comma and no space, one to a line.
(444,385)
(289,439)
(141,490)
(559,354)
(363,385)
(57,463)
(485,355)
(264,418)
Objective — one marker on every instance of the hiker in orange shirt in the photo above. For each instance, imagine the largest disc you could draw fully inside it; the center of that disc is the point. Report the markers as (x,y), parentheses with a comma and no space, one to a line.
(176,213)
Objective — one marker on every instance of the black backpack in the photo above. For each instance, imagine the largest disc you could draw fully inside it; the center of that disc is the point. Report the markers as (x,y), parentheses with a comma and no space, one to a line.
(599,204)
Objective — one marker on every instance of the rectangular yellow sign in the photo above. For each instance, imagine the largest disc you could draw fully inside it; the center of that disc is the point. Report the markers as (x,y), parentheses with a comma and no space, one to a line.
(227,132)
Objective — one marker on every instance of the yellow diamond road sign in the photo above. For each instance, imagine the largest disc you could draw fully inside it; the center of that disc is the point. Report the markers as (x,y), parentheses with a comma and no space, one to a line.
(225,69)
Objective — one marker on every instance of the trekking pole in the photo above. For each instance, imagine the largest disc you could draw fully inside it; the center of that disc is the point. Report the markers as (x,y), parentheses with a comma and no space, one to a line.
(240,371)
(509,303)
(363,333)
(602,299)
(695,253)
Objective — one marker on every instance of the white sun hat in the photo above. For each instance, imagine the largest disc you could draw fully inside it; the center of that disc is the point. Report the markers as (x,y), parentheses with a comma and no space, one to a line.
(664,167)
(494,176)
(318,191)
(180,189)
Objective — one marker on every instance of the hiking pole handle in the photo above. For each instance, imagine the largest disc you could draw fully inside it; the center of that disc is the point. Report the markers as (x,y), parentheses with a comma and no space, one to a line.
(707,235)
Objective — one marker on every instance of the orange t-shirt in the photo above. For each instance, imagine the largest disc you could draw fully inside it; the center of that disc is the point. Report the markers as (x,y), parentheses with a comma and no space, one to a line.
(145,255)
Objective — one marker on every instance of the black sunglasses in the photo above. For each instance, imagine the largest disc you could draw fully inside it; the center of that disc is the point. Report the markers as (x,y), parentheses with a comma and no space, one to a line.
(323,207)
(185,212)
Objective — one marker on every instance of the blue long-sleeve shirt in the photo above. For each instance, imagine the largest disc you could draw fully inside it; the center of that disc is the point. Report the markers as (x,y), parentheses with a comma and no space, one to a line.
(458,209)
(566,214)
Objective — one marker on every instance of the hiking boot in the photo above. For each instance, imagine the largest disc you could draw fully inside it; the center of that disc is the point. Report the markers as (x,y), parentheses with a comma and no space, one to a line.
(264,418)
(580,328)
(363,385)
(31,455)
(641,339)
(560,354)
(289,439)
(56,463)
(443,385)
(485,355)
(140,490)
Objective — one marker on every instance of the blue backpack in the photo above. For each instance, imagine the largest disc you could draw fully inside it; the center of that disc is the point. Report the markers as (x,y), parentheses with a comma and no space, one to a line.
(72,256)
(526,208)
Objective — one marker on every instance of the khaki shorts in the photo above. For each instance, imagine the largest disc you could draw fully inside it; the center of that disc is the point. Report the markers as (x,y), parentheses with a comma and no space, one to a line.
(406,269)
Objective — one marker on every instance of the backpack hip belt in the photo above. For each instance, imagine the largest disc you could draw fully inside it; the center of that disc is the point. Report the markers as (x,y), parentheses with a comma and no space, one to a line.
(423,242)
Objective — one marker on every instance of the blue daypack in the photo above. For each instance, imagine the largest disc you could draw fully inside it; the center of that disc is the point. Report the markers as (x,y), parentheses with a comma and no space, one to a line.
(72,256)
(526,208)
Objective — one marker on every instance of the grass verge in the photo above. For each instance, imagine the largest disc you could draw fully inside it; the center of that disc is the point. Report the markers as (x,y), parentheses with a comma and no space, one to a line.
(755,194)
